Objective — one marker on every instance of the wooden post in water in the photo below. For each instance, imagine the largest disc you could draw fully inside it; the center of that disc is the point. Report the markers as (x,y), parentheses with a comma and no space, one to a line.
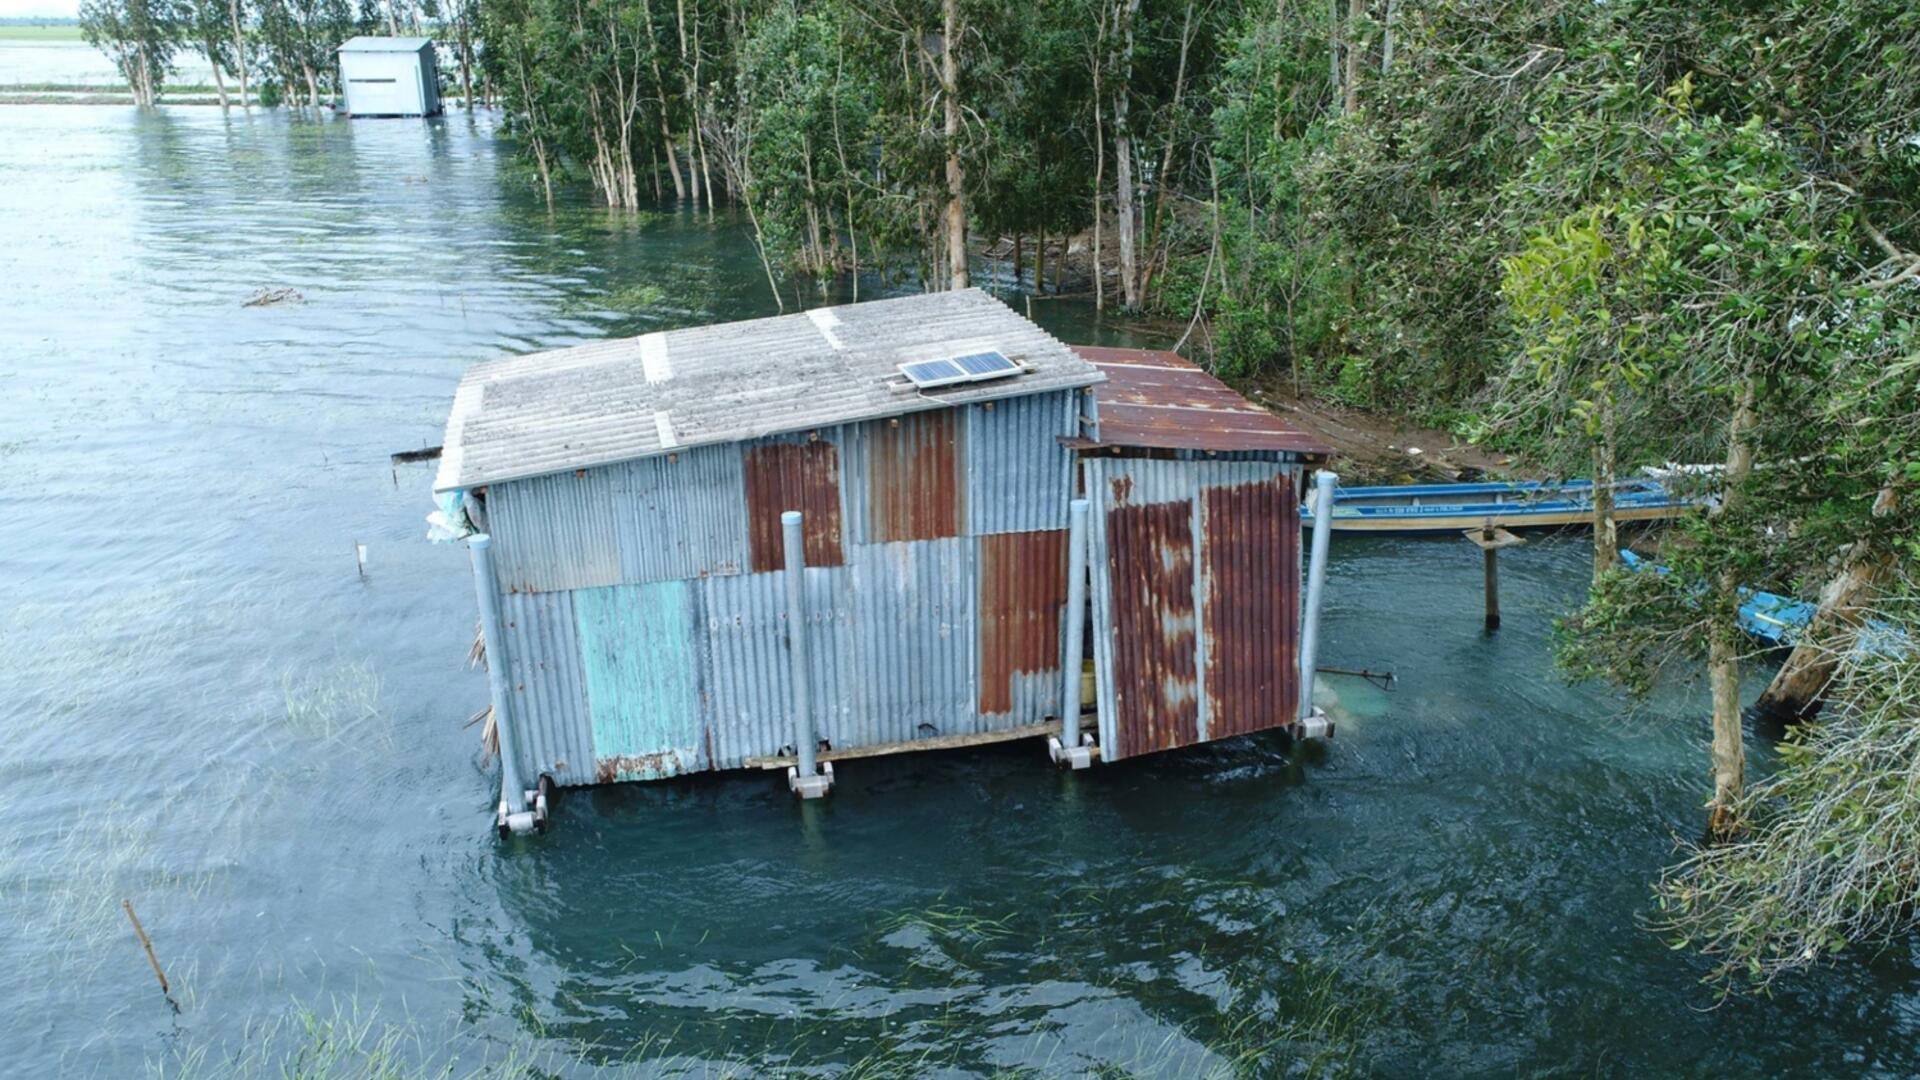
(1490,539)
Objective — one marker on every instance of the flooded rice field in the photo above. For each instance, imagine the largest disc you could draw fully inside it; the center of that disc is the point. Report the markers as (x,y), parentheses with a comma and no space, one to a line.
(209,712)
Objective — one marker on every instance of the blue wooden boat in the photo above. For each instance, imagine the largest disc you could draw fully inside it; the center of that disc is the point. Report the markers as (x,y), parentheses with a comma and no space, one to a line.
(1514,505)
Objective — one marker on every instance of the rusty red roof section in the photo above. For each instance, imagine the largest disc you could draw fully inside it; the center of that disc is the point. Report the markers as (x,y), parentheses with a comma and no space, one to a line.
(1157,399)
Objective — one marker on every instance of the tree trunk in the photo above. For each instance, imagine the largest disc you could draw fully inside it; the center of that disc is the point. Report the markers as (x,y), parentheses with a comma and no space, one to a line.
(1794,694)
(1040,263)
(219,81)
(1355,10)
(239,50)
(1606,530)
(1386,39)
(956,176)
(816,246)
(313,86)
(1124,202)
(1099,172)
(1723,647)
(660,87)
(673,158)
(466,54)
(1123,205)
(1161,182)
(1333,55)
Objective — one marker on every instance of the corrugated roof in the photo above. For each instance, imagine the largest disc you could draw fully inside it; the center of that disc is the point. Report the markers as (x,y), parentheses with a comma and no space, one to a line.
(1157,399)
(385,44)
(611,401)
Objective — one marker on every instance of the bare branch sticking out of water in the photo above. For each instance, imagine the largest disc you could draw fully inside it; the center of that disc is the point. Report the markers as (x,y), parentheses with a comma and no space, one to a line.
(270,297)
(146,943)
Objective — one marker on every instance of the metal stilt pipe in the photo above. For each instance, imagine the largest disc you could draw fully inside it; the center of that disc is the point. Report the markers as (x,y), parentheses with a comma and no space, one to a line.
(1071,747)
(514,814)
(1313,722)
(805,778)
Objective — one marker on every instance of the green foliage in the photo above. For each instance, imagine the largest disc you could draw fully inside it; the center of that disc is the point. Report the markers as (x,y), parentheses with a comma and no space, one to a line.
(1607,235)
(139,36)
(1834,852)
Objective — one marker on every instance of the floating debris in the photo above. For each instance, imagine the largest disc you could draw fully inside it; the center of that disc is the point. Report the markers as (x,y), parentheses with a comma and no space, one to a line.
(269,297)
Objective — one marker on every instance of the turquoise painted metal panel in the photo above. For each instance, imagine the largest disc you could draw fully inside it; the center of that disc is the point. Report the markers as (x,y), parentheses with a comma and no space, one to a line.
(640,647)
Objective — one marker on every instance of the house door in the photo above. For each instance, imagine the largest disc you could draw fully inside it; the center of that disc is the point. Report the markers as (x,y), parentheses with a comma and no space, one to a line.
(1196,599)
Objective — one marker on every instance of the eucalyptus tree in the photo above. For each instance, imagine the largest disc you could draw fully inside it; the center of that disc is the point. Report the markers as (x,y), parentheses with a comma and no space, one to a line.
(211,24)
(300,39)
(140,37)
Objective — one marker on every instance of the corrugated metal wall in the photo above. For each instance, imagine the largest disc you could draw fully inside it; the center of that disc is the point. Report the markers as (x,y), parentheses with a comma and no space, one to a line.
(658,519)
(548,710)
(1023,592)
(647,610)
(913,625)
(793,473)
(749,679)
(642,651)
(913,478)
(1195,599)
(1019,477)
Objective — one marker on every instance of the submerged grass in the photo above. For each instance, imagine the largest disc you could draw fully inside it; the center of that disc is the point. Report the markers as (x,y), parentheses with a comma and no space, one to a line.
(350,1040)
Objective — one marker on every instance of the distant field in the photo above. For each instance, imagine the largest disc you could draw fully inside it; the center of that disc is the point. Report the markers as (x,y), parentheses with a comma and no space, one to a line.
(39,33)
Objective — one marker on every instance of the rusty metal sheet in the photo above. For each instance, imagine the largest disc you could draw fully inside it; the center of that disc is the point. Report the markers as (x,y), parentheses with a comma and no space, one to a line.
(1023,591)
(1157,399)
(1195,599)
(914,488)
(793,474)
(1249,567)
(1150,563)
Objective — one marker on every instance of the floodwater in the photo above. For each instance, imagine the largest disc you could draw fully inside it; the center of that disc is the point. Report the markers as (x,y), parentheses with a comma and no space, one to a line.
(210,713)
(71,62)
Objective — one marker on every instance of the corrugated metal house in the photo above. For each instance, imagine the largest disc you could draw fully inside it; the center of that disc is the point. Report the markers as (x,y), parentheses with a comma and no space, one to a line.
(389,76)
(633,577)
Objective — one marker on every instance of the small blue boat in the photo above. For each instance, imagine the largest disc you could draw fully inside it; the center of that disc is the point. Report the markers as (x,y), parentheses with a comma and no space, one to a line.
(1778,621)
(1418,508)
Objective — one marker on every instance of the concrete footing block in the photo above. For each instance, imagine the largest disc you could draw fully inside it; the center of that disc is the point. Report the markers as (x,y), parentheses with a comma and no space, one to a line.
(811,787)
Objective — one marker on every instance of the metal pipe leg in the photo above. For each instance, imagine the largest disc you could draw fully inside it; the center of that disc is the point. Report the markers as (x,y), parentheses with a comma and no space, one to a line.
(805,778)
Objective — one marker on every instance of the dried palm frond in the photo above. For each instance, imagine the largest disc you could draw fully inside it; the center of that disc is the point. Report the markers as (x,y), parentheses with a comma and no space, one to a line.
(489,735)
(477,656)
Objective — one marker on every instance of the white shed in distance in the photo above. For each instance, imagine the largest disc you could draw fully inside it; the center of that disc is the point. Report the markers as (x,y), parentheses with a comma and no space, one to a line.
(390,76)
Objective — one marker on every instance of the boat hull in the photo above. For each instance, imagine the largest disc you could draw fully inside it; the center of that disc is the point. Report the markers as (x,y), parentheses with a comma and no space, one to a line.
(1503,517)
(1437,508)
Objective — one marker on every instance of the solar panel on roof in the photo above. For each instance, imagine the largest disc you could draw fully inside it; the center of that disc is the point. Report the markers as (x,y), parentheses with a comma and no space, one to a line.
(934,373)
(973,367)
(986,365)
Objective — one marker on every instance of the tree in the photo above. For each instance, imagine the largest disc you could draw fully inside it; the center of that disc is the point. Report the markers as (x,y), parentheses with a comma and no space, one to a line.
(211,23)
(140,36)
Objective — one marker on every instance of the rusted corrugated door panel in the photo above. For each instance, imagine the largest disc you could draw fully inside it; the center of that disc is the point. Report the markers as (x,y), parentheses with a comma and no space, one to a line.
(1150,560)
(1023,590)
(803,476)
(1251,589)
(913,477)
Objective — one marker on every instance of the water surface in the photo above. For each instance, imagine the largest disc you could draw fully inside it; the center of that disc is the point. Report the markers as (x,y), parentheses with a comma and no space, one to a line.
(208,711)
